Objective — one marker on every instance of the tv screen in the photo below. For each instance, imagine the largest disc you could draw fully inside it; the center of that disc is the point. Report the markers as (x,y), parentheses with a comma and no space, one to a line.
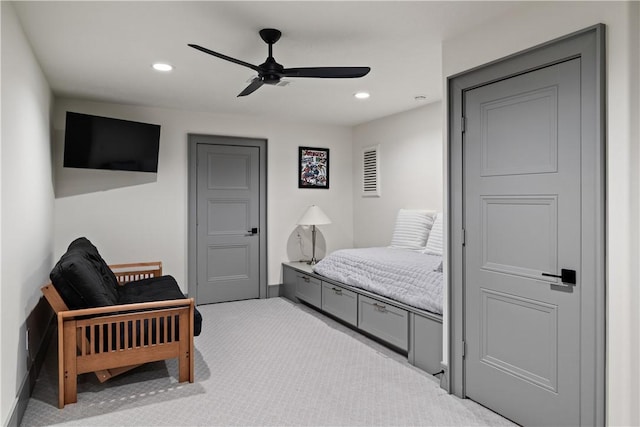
(95,142)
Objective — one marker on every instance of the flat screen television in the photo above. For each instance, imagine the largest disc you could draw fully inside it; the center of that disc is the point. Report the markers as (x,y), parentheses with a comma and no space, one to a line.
(95,142)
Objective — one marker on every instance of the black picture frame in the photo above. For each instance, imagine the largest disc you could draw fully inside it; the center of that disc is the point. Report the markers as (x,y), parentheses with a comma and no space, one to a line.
(313,167)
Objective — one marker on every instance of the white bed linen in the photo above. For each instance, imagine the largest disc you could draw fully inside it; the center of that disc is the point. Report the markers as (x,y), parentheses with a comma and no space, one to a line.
(403,275)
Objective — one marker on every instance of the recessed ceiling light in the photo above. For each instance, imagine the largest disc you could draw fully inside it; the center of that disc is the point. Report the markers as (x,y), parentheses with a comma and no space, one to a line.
(362,95)
(161,66)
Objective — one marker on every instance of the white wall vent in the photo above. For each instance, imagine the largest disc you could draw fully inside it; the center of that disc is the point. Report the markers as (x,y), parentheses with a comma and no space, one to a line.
(371,171)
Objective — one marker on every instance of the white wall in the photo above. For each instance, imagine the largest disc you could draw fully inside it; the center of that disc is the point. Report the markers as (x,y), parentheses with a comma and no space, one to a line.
(538,22)
(410,170)
(145,222)
(27,200)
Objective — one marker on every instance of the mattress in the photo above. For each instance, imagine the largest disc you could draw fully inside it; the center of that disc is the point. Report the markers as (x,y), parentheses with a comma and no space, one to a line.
(404,275)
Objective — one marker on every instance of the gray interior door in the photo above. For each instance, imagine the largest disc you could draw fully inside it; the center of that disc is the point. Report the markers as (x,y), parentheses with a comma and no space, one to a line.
(522,220)
(228,238)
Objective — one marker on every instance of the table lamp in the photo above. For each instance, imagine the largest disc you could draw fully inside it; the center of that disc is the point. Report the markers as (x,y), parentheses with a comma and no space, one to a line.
(313,216)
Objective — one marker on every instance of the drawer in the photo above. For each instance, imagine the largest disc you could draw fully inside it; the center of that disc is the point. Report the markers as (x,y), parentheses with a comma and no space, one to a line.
(385,321)
(426,342)
(340,302)
(309,290)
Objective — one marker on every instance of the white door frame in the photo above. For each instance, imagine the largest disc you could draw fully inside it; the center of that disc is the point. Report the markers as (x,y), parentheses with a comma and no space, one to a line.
(194,140)
(588,45)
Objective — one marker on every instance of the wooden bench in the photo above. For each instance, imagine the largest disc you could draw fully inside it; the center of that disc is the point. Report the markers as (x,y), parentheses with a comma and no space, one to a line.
(114,339)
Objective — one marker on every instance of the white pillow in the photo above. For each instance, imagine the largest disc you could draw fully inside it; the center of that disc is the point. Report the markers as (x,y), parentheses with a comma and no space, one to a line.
(434,242)
(411,229)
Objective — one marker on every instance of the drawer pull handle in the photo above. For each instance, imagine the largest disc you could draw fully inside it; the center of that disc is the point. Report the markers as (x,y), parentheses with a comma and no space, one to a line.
(381,308)
(337,291)
(306,279)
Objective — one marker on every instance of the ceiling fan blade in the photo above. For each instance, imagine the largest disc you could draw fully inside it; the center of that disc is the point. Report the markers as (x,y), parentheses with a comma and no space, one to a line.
(326,72)
(253,86)
(225,57)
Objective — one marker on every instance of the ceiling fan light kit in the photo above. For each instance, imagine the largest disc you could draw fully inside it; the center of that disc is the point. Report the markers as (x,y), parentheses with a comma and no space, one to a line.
(271,72)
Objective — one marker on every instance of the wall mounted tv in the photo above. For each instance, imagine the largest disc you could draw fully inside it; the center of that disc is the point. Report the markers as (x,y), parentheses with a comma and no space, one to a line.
(95,142)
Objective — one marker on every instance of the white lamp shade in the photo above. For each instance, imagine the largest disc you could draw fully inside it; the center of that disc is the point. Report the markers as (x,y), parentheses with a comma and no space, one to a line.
(314,216)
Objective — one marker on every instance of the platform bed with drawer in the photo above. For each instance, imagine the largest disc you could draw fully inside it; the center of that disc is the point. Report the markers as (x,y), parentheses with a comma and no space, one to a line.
(392,294)
(409,330)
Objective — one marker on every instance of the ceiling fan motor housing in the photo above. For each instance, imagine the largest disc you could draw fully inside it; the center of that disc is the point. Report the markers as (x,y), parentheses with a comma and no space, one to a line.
(271,71)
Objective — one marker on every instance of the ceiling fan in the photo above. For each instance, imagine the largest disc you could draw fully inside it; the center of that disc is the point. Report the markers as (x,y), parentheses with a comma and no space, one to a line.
(270,72)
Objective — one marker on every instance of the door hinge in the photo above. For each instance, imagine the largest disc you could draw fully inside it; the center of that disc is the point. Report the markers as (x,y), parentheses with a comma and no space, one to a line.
(464,349)
(463,124)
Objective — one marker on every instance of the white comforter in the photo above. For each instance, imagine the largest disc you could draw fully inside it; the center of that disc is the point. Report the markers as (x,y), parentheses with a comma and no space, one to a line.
(407,276)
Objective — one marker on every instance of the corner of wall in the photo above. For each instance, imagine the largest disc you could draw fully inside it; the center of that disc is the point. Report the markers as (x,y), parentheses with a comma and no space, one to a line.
(26,222)
(410,167)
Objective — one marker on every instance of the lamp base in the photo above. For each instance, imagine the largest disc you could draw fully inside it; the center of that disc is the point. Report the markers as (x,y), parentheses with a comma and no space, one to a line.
(313,261)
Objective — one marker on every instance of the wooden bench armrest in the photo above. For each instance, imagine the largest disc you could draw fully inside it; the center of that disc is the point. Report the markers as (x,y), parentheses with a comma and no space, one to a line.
(124,308)
(53,297)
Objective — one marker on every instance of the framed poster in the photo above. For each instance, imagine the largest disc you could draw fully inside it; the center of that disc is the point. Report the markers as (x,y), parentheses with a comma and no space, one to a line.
(313,167)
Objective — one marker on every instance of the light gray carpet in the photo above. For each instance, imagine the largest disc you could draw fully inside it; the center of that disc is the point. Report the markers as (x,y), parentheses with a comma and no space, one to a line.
(264,362)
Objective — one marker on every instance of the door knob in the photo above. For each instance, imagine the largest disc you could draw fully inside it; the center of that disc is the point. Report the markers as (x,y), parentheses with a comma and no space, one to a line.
(253,231)
(566,276)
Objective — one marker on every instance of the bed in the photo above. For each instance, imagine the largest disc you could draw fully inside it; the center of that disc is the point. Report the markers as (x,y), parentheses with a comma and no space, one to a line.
(408,271)
(408,276)
(393,294)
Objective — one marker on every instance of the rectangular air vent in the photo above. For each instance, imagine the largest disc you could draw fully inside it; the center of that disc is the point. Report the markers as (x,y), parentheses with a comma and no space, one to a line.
(371,171)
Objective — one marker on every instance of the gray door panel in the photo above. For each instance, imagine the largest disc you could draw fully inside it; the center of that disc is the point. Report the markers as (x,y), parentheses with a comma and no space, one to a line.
(522,218)
(228,256)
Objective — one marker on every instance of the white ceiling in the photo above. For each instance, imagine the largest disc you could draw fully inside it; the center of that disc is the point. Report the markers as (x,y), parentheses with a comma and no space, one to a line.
(104,50)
